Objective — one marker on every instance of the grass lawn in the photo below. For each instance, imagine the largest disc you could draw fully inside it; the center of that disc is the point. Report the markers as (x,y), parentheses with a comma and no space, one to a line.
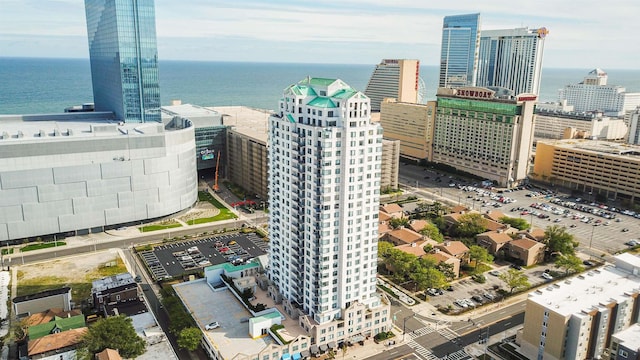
(7,251)
(160,227)
(39,246)
(224,214)
(80,284)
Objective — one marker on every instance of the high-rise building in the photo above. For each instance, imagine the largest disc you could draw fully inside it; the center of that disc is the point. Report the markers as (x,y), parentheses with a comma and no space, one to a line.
(634,126)
(412,124)
(393,78)
(324,185)
(593,94)
(124,58)
(459,51)
(512,59)
(575,318)
(480,134)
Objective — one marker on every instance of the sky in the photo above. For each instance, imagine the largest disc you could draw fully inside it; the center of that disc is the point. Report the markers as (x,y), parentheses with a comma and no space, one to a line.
(584,34)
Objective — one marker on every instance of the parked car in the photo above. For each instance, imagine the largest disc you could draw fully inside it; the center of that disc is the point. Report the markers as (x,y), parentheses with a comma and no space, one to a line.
(432,292)
(488,296)
(547,276)
(632,242)
(516,266)
(624,230)
(477,298)
(494,272)
(211,326)
(588,263)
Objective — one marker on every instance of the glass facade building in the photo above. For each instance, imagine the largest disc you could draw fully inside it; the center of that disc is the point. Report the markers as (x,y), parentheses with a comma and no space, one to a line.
(124,58)
(459,53)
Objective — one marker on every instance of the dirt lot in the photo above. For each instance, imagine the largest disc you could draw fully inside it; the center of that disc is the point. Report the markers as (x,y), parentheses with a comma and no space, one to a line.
(76,272)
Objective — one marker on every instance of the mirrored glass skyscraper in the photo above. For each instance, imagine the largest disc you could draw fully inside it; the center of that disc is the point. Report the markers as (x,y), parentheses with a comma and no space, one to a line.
(124,58)
(459,52)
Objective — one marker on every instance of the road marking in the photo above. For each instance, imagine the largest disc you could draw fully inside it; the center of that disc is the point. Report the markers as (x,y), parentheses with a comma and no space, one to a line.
(507,324)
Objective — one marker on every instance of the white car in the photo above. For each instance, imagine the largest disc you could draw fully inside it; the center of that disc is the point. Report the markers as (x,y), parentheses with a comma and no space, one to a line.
(547,276)
(211,326)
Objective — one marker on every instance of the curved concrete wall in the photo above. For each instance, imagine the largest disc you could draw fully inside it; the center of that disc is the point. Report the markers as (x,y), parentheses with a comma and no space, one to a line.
(61,184)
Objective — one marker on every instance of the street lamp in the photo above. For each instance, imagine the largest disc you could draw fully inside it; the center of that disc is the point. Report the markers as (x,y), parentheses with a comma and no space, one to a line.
(404,325)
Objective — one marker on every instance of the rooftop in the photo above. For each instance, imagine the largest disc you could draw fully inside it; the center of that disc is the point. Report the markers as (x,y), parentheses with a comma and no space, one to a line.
(207,306)
(525,243)
(453,247)
(629,337)
(56,341)
(111,282)
(57,324)
(597,147)
(587,291)
(199,116)
(42,294)
(244,120)
(497,237)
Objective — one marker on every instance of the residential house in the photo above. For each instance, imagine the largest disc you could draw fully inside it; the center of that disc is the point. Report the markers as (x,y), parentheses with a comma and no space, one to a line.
(536,234)
(42,301)
(493,241)
(442,257)
(403,236)
(117,294)
(44,317)
(394,210)
(418,225)
(58,337)
(108,354)
(456,249)
(527,251)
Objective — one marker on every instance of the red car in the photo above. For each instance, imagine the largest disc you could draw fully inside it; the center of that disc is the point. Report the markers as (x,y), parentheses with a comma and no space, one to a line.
(223,250)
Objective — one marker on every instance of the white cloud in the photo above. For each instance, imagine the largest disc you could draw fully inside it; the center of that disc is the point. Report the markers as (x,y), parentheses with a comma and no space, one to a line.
(586,34)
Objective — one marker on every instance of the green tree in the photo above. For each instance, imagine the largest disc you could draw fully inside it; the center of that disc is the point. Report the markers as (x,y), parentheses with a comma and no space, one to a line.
(180,319)
(436,210)
(384,249)
(402,264)
(520,224)
(515,280)
(189,338)
(344,349)
(396,223)
(429,278)
(432,231)
(115,332)
(570,263)
(427,248)
(447,270)
(470,225)
(558,240)
(478,254)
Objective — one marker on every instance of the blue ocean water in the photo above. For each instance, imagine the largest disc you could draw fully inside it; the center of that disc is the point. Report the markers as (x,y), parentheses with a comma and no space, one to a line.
(37,85)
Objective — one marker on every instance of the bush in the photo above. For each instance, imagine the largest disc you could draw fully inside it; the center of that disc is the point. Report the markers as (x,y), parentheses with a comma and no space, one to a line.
(479,278)
(384,336)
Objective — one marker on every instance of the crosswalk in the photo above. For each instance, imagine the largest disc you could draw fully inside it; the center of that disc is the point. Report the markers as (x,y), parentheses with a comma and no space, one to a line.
(425,353)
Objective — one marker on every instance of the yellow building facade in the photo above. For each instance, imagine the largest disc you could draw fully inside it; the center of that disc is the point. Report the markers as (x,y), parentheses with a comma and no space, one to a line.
(410,123)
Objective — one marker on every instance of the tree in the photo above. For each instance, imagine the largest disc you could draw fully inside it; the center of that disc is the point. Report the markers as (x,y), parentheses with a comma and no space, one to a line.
(189,338)
(396,223)
(558,240)
(447,270)
(432,231)
(520,224)
(115,332)
(570,263)
(515,280)
(478,254)
(344,349)
(429,278)
(470,225)
(384,249)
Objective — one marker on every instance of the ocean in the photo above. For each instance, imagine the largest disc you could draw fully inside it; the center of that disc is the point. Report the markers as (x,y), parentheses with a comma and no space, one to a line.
(38,85)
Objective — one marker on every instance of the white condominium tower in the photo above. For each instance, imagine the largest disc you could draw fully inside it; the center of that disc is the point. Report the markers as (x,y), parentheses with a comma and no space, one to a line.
(512,59)
(324,181)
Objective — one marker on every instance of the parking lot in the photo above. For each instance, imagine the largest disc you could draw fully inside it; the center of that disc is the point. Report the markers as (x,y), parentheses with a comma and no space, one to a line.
(610,238)
(486,293)
(176,259)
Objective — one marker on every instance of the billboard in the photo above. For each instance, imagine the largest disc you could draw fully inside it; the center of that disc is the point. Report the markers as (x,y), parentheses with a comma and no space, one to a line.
(207,154)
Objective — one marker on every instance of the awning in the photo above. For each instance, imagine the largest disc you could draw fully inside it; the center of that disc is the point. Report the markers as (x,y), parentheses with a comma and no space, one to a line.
(332,345)
(286,356)
(324,347)
(313,349)
(296,356)
(305,353)
(356,338)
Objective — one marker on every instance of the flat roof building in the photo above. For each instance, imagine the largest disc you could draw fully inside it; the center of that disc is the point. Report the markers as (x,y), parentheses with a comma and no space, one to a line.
(73,173)
(574,125)
(411,124)
(625,344)
(483,135)
(575,318)
(597,167)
